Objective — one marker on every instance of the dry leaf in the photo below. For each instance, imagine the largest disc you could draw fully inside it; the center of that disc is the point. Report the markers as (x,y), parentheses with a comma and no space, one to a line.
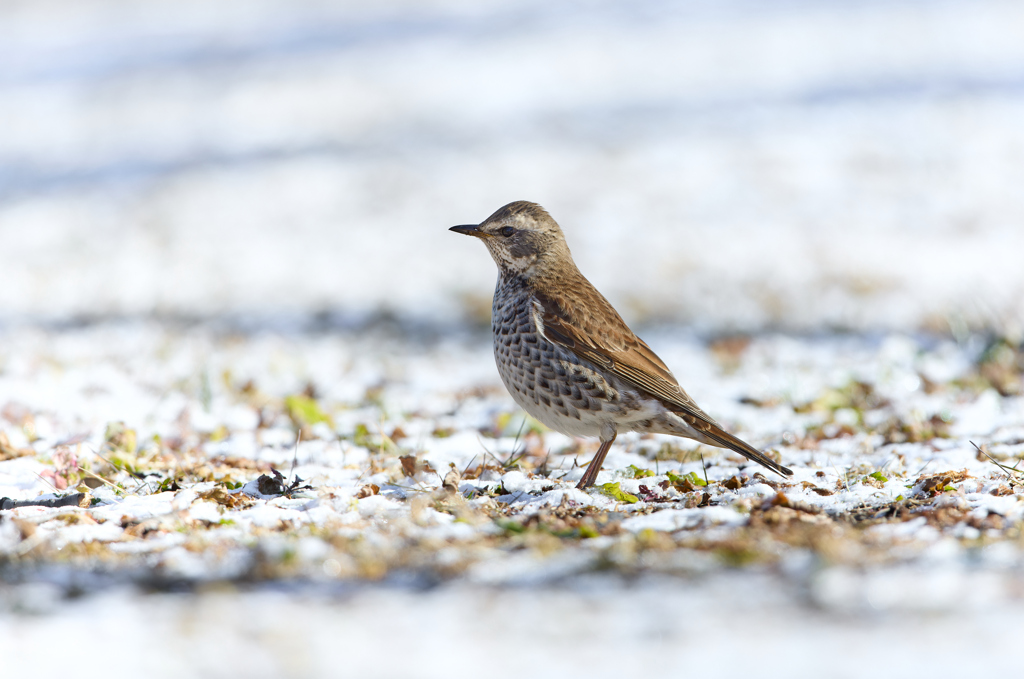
(451,480)
(367,491)
(9,452)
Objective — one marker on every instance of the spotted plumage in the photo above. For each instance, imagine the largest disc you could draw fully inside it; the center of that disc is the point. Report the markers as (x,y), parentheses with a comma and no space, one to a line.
(565,354)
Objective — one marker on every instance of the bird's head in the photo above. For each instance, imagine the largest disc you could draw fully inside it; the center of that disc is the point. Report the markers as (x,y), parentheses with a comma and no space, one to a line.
(522,238)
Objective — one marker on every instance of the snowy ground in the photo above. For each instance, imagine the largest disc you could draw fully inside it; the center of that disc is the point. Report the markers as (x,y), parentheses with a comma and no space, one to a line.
(224,224)
(430,499)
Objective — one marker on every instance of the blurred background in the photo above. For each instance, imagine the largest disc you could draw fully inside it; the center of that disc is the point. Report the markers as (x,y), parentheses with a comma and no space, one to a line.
(735,164)
(728,166)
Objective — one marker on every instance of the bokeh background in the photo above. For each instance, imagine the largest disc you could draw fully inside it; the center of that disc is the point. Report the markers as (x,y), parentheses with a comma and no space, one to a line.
(730,164)
(793,169)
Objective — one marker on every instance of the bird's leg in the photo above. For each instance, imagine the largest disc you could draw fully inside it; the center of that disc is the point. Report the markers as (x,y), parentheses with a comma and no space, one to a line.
(594,467)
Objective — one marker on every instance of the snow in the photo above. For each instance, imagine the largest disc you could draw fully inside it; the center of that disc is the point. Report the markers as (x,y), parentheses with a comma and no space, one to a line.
(600,627)
(219,523)
(206,209)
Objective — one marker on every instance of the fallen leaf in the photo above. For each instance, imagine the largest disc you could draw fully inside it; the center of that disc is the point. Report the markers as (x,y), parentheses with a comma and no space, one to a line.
(613,491)
(9,452)
(367,491)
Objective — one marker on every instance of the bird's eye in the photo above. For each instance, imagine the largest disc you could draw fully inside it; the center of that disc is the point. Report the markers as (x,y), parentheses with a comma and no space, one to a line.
(507,231)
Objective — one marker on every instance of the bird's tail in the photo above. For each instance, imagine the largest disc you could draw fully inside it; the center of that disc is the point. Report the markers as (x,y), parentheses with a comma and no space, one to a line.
(717,436)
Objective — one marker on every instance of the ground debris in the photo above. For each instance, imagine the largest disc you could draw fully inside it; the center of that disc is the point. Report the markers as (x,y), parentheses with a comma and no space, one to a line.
(367,490)
(205,497)
(222,496)
(73,500)
(276,484)
(937,483)
(9,452)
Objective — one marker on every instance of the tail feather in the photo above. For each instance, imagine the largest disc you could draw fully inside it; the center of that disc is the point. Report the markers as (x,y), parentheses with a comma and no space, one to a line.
(723,439)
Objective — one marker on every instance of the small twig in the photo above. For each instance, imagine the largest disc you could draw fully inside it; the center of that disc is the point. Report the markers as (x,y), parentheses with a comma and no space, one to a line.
(43,479)
(542,469)
(295,455)
(135,475)
(467,466)
(142,482)
(845,475)
(72,500)
(96,476)
(512,458)
(384,438)
(408,488)
(487,451)
(706,482)
(1009,471)
(519,433)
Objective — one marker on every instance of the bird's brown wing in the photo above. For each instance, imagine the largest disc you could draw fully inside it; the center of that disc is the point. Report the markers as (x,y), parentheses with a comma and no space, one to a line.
(592,329)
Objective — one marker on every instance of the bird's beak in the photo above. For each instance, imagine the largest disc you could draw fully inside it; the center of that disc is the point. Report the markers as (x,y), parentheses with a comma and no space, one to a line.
(468,230)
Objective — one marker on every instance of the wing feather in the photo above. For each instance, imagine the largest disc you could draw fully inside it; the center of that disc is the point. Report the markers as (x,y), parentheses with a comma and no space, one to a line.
(594,330)
(614,347)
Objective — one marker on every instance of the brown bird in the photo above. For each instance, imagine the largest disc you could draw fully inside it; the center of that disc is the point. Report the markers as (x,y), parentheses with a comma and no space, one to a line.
(567,357)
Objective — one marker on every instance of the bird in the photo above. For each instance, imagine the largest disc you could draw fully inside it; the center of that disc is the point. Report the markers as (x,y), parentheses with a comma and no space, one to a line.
(567,357)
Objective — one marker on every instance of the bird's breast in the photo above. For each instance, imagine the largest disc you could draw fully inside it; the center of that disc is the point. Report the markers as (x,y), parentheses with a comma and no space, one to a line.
(554,385)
